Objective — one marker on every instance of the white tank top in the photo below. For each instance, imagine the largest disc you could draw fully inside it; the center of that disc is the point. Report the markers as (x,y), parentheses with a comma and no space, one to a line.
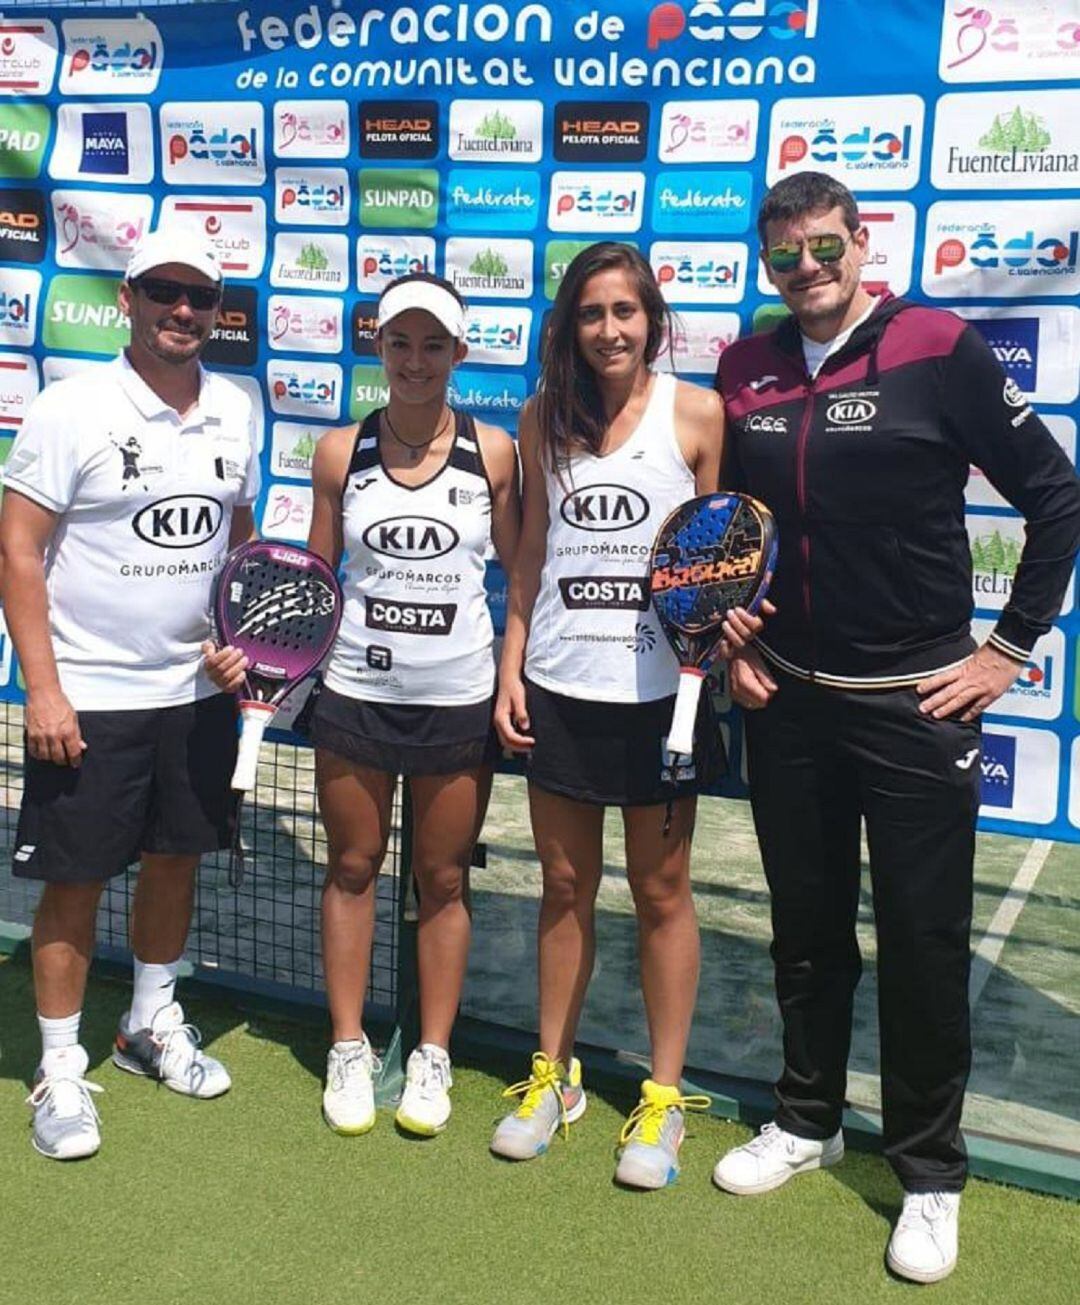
(415,627)
(594,633)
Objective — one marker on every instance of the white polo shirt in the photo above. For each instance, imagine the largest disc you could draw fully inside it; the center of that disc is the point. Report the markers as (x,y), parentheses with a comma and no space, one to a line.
(145,500)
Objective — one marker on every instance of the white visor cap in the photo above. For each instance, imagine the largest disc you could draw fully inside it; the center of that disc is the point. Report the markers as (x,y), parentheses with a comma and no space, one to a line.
(179,245)
(428,297)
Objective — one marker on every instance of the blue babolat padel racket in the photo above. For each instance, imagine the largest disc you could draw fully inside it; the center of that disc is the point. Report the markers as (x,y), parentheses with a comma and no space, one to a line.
(712,554)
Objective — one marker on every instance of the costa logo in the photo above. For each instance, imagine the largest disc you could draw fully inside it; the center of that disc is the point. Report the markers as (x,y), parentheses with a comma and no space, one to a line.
(411,538)
(409,618)
(604,508)
(179,521)
(850,412)
(605,592)
(763,424)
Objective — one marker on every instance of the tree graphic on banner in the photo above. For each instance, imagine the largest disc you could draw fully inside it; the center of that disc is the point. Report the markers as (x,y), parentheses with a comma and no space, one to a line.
(1021,131)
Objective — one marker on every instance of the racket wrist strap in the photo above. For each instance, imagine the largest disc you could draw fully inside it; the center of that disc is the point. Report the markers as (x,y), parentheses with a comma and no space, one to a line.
(681,735)
(254,718)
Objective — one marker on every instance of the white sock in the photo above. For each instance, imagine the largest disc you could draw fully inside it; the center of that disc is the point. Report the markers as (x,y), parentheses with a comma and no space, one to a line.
(57,1034)
(155,987)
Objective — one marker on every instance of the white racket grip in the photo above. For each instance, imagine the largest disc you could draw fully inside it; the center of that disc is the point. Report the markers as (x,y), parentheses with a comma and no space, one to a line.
(681,734)
(254,718)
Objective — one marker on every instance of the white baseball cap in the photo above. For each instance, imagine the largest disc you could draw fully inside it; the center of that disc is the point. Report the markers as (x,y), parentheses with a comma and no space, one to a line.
(179,245)
(431,298)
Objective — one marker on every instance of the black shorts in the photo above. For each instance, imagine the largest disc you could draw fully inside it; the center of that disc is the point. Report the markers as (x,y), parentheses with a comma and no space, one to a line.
(404,739)
(612,753)
(151,780)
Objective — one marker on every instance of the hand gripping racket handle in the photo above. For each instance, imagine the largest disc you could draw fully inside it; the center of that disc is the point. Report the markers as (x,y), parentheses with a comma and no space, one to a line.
(254,717)
(681,734)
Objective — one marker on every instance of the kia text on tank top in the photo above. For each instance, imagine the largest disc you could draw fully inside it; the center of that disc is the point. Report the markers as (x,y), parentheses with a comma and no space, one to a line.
(593,632)
(416,627)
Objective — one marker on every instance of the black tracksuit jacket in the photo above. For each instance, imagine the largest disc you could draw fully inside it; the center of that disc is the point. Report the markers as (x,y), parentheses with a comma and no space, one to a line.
(864,468)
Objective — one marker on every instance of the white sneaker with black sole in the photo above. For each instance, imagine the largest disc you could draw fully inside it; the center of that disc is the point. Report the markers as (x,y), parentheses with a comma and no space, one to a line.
(65,1119)
(924,1243)
(771,1158)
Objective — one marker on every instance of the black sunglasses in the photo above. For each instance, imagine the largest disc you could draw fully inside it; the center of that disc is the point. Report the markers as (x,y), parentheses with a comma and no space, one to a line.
(159,290)
(824,249)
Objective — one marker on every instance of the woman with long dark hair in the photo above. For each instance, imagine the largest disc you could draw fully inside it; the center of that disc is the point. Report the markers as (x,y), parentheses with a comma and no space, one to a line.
(609,446)
(414,496)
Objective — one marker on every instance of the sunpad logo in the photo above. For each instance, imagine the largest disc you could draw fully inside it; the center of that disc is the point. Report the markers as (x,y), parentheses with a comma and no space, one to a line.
(478,199)
(180,521)
(22,226)
(82,315)
(411,538)
(700,273)
(702,202)
(24,129)
(368,391)
(399,197)
(399,129)
(601,131)
(104,144)
(314,197)
(998,766)
(602,508)
(496,131)
(311,129)
(609,201)
(1015,344)
(107,56)
(709,131)
(224,148)
(558,255)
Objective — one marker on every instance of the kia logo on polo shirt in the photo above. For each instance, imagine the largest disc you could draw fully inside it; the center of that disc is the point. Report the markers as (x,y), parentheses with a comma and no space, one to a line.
(604,507)
(411,538)
(179,521)
(851,412)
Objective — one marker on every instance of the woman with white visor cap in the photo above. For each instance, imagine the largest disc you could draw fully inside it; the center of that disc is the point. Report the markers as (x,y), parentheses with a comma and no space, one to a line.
(414,497)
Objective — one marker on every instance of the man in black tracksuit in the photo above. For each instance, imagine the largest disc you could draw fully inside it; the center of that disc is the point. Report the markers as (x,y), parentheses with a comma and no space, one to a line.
(856,421)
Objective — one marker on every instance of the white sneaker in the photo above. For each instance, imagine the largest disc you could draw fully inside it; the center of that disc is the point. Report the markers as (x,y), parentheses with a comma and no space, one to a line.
(65,1118)
(425,1103)
(773,1157)
(349,1096)
(169,1050)
(923,1244)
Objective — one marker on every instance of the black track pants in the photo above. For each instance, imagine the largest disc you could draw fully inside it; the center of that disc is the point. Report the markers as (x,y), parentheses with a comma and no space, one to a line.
(820,760)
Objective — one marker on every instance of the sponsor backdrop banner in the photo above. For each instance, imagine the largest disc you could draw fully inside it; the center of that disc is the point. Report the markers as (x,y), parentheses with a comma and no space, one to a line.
(328,147)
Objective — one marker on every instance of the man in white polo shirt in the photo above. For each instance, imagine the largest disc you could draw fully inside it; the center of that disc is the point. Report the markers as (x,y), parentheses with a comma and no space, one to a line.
(125,488)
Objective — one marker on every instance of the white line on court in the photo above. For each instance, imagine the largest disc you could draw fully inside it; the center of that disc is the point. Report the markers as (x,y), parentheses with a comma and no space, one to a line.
(1005,917)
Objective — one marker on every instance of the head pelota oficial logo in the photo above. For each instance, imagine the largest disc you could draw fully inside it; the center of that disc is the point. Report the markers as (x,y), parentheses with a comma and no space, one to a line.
(399,129)
(23,225)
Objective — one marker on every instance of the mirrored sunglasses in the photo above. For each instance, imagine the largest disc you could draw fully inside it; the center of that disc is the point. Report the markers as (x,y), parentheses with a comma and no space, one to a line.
(786,256)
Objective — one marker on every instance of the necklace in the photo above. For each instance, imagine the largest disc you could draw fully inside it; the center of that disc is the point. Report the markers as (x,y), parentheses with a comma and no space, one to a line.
(416,449)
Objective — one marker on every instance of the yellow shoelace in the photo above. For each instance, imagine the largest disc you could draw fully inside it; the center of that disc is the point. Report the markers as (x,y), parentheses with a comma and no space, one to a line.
(545,1074)
(649,1115)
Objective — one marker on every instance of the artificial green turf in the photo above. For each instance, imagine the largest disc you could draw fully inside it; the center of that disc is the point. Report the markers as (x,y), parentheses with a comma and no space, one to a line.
(252,1199)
